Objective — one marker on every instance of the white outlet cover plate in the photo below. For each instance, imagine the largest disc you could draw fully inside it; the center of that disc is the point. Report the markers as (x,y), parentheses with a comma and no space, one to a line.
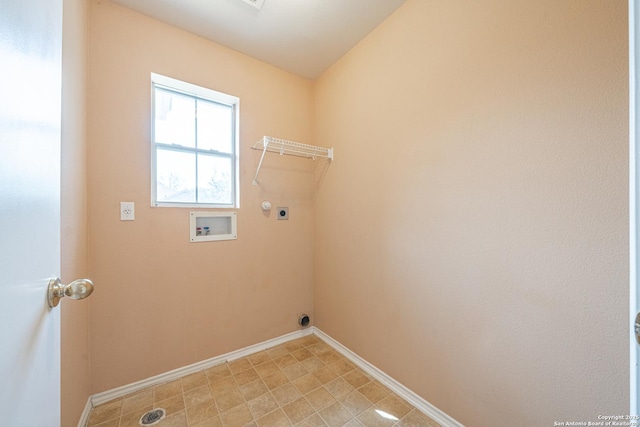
(127,211)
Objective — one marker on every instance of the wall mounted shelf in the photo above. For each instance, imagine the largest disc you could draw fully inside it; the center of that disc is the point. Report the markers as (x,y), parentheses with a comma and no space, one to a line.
(290,148)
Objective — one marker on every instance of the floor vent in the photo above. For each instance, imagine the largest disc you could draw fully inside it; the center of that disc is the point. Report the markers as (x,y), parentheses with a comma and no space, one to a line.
(152,417)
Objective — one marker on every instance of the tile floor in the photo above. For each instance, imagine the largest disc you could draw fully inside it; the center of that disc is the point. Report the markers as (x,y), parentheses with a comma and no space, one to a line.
(302,383)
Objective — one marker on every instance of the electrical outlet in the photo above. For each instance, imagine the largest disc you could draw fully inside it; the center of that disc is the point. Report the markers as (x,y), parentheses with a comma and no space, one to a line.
(127,211)
(283,213)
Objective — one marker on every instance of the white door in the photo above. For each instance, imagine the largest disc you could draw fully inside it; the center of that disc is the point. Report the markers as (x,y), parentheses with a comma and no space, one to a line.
(30,81)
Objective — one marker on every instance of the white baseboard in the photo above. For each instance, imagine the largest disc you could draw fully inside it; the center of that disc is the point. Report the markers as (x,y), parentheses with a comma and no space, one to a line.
(402,391)
(84,417)
(106,396)
(422,405)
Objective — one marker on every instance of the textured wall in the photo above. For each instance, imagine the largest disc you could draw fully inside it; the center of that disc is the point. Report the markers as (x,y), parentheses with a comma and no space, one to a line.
(471,236)
(161,302)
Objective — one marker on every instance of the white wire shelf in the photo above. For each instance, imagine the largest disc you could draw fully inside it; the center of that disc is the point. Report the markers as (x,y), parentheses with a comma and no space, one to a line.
(290,148)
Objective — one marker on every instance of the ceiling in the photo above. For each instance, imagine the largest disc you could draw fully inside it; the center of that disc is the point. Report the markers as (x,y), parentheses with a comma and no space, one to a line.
(304,37)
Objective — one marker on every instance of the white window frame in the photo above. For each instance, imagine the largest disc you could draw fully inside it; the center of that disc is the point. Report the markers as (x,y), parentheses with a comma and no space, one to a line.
(188,89)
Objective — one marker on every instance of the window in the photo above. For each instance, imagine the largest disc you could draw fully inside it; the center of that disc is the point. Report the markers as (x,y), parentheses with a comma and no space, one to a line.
(194,145)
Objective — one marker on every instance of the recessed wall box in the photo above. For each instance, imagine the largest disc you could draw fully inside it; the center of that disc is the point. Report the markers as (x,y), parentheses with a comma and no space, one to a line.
(283,213)
(212,226)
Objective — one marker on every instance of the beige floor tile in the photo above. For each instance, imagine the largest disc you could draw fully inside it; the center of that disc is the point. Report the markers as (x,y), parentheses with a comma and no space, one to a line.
(195,380)
(285,361)
(246,377)
(314,420)
(353,423)
(339,387)
(293,345)
(231,399)
(113,423)
(328,357)
(179,419)
(223,386)
(277,351)
(202,412)
(309,340)
(266,369)
(259,358)
(239,365)
(136,401)
(342,366)
(218,372)
(371,418)
(236,417)
(306,383)
(302,354)
(197,396)
(325,374)
(394,405)
(374,391)
(319,348)
(262,405)
(355,402)
(132,419)
(166,390)
(319,398)
(295,371)
(253,389)
(275,380)
(276,418)
(416,419)
(285,394)
(356,378)
(312,364)
(335,415)
(211,422)
(298,410)
(105,412)
(171,405)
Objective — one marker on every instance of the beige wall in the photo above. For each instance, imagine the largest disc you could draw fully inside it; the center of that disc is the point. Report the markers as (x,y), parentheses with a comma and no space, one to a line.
(75,367)
(161,302)
(470,238)
(471,235)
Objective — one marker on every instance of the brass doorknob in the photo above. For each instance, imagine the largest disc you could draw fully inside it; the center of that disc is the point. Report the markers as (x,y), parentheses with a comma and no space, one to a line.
(78,289)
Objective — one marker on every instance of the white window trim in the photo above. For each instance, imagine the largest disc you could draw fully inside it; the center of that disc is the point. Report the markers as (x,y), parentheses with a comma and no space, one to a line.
(210,95)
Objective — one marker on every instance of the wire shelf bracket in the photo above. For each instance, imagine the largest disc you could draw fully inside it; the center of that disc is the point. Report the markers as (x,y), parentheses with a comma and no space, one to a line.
(290,148)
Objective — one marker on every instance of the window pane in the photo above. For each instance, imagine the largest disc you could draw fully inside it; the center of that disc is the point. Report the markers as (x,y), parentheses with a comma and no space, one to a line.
(176,177)
(175,118)
(214,179)
(215,123)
